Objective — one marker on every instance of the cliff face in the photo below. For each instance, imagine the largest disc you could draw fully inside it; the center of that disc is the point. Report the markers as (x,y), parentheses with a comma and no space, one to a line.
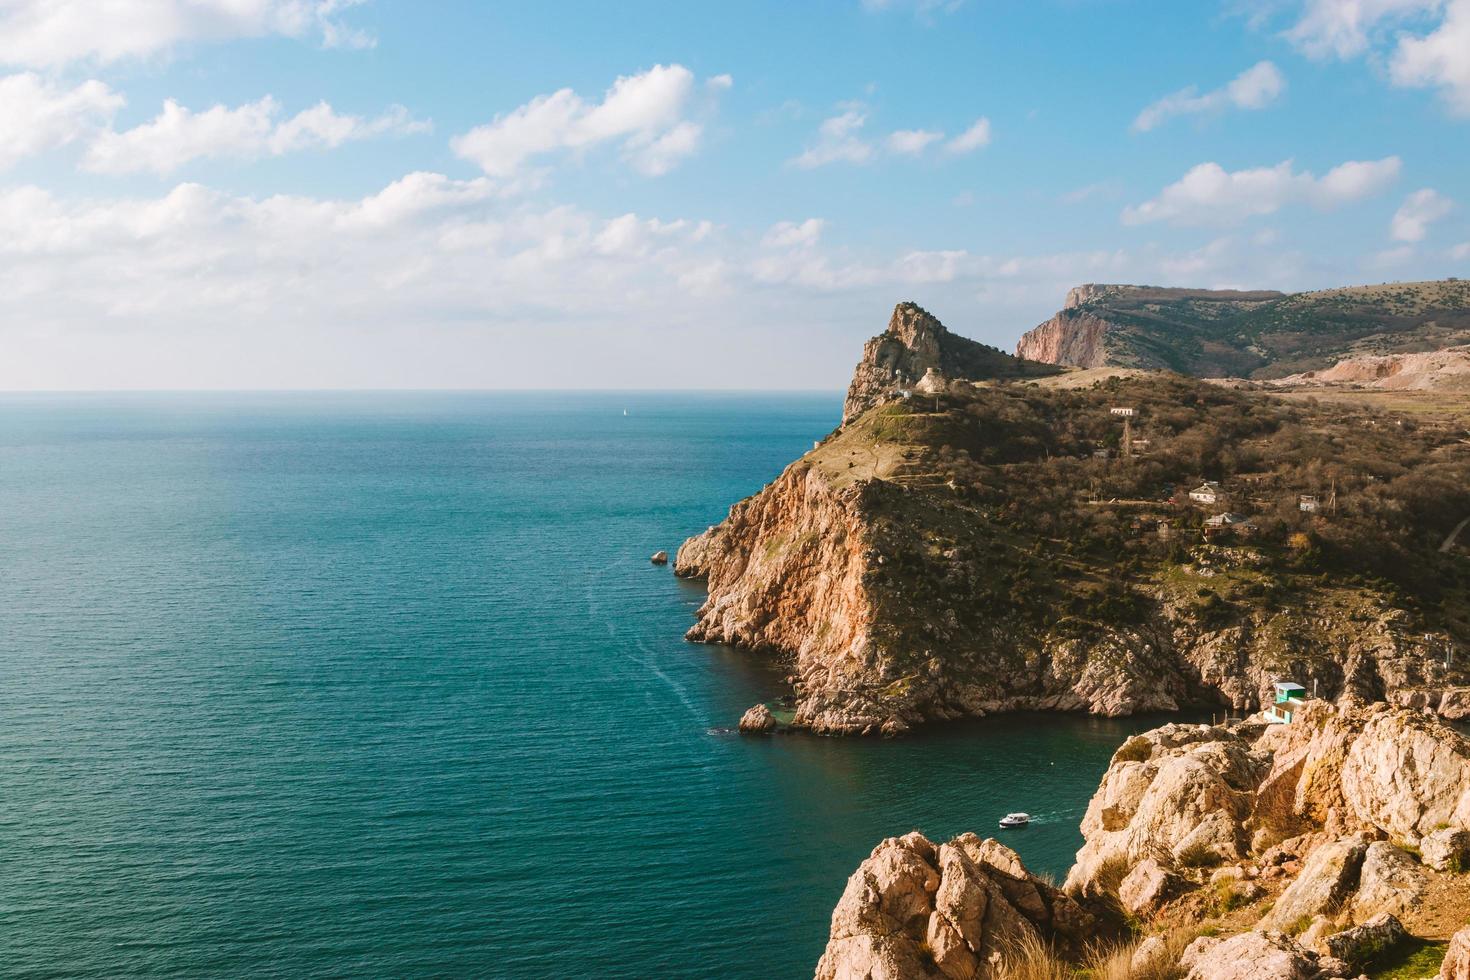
(916,344)
(1256,334)
(1072,337)
(1304,851)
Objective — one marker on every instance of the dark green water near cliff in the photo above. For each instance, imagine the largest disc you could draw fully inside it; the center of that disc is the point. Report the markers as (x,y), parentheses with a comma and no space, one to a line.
(384,684)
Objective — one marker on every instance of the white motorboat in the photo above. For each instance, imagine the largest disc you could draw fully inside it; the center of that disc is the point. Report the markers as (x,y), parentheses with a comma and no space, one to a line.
(1015,820)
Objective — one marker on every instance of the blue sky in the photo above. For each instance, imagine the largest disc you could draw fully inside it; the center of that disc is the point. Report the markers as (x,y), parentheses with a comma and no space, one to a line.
(324,193)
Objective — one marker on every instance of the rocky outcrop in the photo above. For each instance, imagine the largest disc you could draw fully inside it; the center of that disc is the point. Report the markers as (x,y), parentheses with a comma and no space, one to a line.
(660,558)
(1456,964)
(1446,849)
(1073,337)
(1187,823)
(758,720)
(1248,956)
(916,344)
(917,909)
(1392,372)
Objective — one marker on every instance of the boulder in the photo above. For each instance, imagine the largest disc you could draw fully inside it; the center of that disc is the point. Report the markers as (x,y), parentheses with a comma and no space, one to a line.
(1147,887)
(1454,703)
(660,558)
(758,720)
(1362,944)
(1390,881)
(1446,849)
(913,908)
(1184,790)
(1407,774)
(1325,882)
(1332,968)
(1456,964)
(1248,956)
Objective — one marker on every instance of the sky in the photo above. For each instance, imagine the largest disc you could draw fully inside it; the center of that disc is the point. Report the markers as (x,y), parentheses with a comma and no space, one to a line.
(267,194)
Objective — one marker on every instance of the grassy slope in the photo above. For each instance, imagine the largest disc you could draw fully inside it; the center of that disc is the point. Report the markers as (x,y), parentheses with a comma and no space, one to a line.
(991,509)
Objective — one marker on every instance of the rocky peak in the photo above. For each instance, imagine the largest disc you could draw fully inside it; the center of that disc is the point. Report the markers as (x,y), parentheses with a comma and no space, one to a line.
(915,344)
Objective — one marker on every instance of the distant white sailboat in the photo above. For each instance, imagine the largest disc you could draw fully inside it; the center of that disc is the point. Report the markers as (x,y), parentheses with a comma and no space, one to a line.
(625,413)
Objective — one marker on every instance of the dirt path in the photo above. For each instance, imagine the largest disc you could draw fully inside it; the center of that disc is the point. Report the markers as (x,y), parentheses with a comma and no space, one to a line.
(1449,542)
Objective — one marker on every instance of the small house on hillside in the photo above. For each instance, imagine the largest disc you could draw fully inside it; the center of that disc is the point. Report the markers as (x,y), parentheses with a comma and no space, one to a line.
(1289,697)
(1229,522)
(1125,411)
(1307,504)
(1208,492)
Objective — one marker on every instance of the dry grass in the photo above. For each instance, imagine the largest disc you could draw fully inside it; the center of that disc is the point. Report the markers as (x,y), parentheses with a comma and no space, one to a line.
(1033,958)
(1116,962)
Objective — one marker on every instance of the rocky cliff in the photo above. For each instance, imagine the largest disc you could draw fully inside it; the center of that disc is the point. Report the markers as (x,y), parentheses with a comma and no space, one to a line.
(1254,334)
(968,552)
(917,345)
(1310,850)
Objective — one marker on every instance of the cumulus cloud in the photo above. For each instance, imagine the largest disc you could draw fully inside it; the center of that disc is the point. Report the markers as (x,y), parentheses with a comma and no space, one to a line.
(1440,59)
(911,142)
(646,114)
(37,115)
(974,138)
(178,136)
(1420,210)
(1425,43)
(53,33)
(1209,194)
(840,139)
(1255,88)
(790,234)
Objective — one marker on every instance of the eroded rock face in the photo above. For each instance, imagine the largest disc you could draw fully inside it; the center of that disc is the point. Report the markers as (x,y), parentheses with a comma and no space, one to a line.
(1324,885)
(1180,792)
(916,344)
(1390,881)
(1072,337)
(1249,956)
(914,909)
(1456,964)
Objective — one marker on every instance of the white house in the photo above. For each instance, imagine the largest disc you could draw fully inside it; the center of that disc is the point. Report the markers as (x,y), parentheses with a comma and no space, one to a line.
(1307,503)
(1208,492)
(1124,411)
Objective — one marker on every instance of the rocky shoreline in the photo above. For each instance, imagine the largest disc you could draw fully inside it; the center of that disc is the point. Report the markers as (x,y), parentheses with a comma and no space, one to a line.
(1312,850)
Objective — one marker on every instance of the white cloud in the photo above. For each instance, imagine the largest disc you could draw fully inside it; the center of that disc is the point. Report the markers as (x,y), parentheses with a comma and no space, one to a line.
(1440,59)
(37,115)
(178,136)
(1425,43)
(52,33)
(911,142)
(1255,88)
(1345,28)
(1420,210)
(789,234)
(840,140)
(1209,194)
(646,114)
(974,138)
(1460,251)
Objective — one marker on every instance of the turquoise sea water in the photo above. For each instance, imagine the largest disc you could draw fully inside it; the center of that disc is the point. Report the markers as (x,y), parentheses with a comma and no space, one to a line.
(384,684)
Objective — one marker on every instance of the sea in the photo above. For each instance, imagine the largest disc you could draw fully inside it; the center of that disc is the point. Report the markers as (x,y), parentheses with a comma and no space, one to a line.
(385,684)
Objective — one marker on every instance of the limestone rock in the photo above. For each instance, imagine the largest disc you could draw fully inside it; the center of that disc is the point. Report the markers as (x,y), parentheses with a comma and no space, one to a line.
(1248,956)
(660,558)
(1454,704)
(1325,882)
(1456,964)
(1407,774)
(1147,887)
(915,344)
(1390,881)
(758,720)
(912,908)
(1446,849)
(1363,943)
(1181,790)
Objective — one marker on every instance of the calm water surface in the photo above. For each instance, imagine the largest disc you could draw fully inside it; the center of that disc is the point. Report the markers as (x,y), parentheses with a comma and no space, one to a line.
(384,684)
